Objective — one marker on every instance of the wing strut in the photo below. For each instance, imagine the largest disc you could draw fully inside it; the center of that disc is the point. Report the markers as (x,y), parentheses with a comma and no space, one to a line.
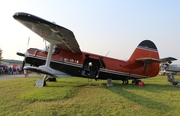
(48,59)
(145,65)
(47,67)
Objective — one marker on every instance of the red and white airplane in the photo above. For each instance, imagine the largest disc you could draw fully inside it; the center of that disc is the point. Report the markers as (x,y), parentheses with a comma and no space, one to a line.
(64,57)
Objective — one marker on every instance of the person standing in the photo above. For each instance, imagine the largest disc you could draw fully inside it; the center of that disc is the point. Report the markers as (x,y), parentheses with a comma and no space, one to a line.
(25,73)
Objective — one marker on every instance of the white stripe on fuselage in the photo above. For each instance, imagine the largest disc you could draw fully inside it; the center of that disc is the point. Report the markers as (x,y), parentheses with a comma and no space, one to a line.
(80,66)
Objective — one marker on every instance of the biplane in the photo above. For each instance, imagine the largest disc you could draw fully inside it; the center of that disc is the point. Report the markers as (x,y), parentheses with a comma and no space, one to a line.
(168,69)
(64,57)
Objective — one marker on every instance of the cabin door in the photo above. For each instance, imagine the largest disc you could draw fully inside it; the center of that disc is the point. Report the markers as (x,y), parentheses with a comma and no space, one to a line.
(92,66)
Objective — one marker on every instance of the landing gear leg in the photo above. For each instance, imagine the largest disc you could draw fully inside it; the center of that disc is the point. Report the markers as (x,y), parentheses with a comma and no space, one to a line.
(134,81)
(44,79)
(125,82)
(41,82)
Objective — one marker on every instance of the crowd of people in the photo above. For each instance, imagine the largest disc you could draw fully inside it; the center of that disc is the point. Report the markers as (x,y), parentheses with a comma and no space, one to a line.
(11,70)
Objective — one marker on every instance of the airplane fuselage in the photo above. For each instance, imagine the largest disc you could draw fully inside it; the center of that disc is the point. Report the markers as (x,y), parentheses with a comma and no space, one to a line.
(102,67)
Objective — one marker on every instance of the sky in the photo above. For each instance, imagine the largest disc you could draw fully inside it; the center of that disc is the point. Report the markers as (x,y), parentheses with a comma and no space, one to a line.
(100,26)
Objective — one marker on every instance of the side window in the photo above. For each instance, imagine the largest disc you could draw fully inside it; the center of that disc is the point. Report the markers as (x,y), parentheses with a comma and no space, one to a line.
(61,59)
(76,61)
(71,60)
(65,59)
(45,50)
(56,50)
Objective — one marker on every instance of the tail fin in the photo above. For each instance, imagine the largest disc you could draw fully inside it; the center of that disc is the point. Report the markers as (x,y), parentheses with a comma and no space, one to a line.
(146,58)
(145,49)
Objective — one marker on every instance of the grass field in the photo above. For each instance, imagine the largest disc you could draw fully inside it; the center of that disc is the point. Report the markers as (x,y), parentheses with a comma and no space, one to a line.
(75,97)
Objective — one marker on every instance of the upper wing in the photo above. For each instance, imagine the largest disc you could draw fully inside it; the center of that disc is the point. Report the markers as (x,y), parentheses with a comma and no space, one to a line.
(49,31)
(167,59)
(165,64)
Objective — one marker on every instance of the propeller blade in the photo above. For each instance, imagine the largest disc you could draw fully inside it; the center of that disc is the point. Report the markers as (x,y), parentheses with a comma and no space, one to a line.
(20,54)
(23,64)
(28,42)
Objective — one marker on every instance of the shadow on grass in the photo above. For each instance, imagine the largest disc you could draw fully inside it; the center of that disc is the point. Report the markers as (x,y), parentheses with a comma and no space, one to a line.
(147,102)
(154,88)
(138,97)
(125,91)
(157,88)
(72,82)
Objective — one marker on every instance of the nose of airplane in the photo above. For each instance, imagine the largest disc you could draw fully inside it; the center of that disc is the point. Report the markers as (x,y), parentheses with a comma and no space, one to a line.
(23,55)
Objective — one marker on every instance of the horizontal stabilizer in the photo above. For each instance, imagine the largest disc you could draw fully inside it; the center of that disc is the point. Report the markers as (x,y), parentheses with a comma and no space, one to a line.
(148,60)
(46,70)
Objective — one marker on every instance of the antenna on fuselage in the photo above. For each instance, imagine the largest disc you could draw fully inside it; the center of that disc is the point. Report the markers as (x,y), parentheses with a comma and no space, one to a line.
(107,53)
(45,43)
(27,43)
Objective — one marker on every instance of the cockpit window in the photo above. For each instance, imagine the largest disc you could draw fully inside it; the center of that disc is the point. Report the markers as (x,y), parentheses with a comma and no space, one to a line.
(45,50)
(55,50)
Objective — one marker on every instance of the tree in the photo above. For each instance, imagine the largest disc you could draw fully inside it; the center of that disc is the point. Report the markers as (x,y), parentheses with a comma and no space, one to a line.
(1,51)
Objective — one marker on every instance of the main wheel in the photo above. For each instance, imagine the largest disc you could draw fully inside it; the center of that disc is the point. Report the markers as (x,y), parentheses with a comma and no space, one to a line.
(137,81)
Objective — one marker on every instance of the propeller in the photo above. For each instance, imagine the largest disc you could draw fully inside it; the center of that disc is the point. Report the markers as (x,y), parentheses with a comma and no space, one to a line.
(23,63)
(20,54)
(23,54)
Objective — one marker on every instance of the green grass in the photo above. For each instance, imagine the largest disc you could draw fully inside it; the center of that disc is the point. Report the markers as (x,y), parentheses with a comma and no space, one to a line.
(75,97)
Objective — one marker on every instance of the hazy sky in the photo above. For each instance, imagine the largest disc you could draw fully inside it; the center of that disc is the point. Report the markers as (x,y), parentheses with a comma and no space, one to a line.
(99,26)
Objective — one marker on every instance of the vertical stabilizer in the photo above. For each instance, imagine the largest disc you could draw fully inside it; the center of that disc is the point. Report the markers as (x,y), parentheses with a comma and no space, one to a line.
(145,49)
